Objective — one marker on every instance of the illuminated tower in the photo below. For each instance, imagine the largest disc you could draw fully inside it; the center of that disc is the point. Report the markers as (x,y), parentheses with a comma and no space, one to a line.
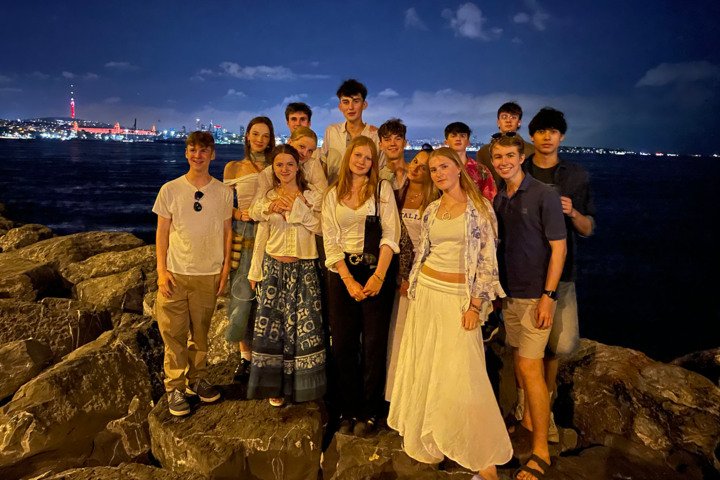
(72,103)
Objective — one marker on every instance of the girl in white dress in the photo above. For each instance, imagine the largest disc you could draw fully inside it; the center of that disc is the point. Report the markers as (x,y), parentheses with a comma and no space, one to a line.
(442,402)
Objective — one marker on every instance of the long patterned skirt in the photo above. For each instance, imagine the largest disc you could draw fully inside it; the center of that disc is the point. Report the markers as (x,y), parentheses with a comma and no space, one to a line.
(242,298)
(288,358)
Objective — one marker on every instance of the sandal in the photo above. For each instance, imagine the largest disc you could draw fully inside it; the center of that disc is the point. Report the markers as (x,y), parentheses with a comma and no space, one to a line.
(539,475)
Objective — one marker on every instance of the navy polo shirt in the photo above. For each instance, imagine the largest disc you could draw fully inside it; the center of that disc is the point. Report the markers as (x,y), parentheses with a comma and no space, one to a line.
(527,222)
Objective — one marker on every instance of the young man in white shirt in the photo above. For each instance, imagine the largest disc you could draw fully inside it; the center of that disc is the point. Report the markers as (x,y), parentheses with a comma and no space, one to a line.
(352,103)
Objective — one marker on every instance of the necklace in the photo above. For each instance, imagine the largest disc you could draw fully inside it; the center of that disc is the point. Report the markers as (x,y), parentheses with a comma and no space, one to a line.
(447,213)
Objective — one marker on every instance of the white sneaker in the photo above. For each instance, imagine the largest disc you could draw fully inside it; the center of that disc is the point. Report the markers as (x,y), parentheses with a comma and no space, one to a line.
(553,433)
(520,405)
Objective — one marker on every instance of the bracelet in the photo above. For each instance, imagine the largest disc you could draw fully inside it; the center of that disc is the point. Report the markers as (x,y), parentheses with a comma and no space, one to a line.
(474,308)
(378,277)
(346,277)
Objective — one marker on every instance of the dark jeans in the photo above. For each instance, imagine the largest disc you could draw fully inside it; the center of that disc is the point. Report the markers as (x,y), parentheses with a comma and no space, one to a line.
(359,332)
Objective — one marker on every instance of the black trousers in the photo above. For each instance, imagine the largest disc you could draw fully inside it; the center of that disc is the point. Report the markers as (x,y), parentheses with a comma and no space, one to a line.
(359,335)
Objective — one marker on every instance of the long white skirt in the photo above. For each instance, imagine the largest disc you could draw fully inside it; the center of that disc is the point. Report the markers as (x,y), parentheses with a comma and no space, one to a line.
(397,325)
(442,402)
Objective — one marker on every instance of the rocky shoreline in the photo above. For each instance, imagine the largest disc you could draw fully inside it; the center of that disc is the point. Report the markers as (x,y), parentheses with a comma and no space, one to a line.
(81,394)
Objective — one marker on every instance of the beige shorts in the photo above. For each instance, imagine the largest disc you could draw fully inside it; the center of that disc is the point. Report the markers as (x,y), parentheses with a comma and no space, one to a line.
(521,332)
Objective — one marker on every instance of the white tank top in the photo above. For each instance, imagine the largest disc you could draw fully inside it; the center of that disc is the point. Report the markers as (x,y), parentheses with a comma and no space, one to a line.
(447,245)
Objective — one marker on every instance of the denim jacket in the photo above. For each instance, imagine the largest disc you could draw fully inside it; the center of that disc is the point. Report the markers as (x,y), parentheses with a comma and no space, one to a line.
(481,268)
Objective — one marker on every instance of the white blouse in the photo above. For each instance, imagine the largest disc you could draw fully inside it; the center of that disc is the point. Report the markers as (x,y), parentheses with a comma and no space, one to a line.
(344,231)
(291,234)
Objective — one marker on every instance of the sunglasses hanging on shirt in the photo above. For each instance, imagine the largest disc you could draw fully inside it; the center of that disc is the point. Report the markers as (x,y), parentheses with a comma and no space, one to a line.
(197,206)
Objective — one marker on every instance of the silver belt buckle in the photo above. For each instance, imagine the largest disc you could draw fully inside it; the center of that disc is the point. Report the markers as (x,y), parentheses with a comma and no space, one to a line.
(355,258)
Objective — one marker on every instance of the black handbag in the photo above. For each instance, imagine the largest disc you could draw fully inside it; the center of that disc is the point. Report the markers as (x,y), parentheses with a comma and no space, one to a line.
(373,233)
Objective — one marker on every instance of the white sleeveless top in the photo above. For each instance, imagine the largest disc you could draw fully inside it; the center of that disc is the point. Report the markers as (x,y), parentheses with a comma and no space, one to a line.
(245,188)
(447,245)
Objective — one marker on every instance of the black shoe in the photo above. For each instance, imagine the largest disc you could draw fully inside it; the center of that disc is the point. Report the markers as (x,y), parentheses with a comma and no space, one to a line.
(202,388)
(178,404)
(242,372)
(491,326)
(364,428)
(345,426)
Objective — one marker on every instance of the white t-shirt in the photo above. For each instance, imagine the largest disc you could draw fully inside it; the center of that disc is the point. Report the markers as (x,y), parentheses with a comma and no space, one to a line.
(196,238)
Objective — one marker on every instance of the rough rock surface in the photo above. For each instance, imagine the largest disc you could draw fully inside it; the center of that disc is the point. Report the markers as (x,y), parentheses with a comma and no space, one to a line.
(220,349)
(125,471)
(90,409)
(379,456)
(25,279)
(241,439)
(20,361)
(60,323)
(705,362)
(121,291)
(23,236)
(110,263)
(618,397)
(61,251)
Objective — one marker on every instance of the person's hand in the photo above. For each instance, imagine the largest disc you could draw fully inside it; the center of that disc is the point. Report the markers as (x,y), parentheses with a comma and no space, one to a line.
(544,312)
(224,276)
(567,206)
(372,286)
(404,286)
(166,283)
(355,289)
(245,215)
(470,319)
(253,284)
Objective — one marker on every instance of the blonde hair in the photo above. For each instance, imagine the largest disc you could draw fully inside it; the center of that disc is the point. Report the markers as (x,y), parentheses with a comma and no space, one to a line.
(344,180)
(482,205)
(301,132)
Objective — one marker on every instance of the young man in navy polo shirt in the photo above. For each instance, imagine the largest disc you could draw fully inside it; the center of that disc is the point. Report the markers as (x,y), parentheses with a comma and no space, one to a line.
(531,254)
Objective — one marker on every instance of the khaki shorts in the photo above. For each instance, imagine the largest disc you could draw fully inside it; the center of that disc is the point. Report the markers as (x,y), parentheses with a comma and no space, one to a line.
(521,332)
(565,333)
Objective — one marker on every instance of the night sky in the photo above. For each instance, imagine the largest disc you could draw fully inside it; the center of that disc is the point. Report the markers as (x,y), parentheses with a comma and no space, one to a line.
(636,75)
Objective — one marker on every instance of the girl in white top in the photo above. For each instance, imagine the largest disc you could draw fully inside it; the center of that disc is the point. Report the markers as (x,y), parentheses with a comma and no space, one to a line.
(242,175)
(360,294)
(442,401)
(288,358)
(305,142)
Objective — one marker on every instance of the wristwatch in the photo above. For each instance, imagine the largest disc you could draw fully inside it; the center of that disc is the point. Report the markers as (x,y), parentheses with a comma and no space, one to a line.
(551,293)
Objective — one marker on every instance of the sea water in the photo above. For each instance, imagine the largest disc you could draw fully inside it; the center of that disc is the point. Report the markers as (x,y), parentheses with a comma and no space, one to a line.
(646,279)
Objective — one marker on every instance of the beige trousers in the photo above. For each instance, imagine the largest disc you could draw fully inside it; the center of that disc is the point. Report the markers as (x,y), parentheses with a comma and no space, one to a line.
(184,321)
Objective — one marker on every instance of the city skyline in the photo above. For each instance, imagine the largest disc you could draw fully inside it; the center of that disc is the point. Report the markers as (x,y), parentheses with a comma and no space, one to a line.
(638,77)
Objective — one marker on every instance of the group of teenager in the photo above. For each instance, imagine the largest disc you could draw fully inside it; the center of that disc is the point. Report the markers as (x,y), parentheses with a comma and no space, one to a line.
(360,278)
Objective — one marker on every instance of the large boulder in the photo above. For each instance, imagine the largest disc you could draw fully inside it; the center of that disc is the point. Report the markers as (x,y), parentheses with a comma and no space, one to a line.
(125,471)
(121,291)
(61,251)
(23,236)
(240,439)
(60,323)
(110,263)
(618,397)
(21,360)
(26,279)
(705,362)
(90,409)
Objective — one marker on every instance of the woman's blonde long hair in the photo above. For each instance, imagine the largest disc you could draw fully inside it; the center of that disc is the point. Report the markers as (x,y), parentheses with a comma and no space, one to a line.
(344,180)
(481,204)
